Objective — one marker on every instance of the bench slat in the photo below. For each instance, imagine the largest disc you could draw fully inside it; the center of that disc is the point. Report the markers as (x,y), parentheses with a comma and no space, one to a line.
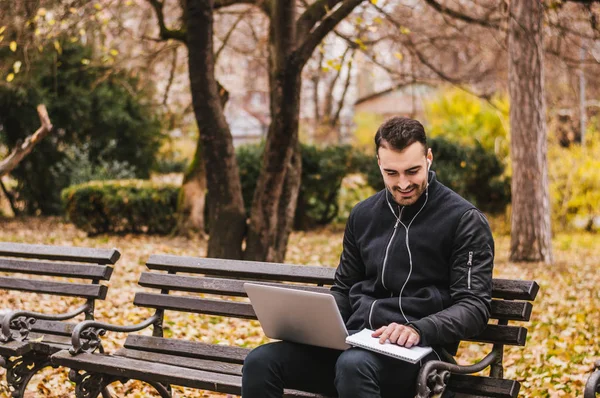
(48,344)
(195,305)
(187,348)
(162,373)
(220,286)
(56,288)
(508,335)
(501,309)
(511,310)
(515,289)
(502,288)
(84,271)
(148,371)
(192,363)
(484,386)
(58,328)
(242,269)
(60,253)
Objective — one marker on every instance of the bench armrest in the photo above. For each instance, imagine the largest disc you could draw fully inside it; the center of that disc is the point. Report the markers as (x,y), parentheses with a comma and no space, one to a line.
(86,335)
(593,384)
(16,325)
(434,375)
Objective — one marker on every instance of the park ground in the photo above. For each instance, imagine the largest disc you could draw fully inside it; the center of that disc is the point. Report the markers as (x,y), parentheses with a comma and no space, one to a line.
(562,343)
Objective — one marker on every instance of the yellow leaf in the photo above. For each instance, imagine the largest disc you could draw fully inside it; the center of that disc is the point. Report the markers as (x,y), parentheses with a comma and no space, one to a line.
(81,32)
(73,39)
(97,6)
(37,32)
(360,44)
(52,22)
(58,47)
(404,30)
(374,1)
(128,2)
(85,61)
(2,29)
(10,77)
(399,56)
(114,52)
(1,38)
(42,12)
(13,46)
(38,340)
(377,20)
(17,66)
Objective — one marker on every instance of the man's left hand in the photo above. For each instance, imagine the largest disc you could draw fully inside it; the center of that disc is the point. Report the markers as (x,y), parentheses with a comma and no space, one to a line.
(398,334)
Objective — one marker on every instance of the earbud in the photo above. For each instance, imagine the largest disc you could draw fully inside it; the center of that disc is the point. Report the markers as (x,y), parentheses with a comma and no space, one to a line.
(428,164)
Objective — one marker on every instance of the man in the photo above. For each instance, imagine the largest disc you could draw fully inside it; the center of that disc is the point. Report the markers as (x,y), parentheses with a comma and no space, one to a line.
(416,268)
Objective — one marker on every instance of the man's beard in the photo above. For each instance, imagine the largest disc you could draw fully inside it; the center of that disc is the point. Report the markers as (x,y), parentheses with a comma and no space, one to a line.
(407,201)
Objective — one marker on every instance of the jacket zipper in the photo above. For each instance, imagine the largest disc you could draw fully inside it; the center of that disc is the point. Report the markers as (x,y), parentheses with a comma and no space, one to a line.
(371,313)
(387,249)
(470,265)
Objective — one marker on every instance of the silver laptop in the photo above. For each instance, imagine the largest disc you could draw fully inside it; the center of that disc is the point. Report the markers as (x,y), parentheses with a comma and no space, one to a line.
(299,316)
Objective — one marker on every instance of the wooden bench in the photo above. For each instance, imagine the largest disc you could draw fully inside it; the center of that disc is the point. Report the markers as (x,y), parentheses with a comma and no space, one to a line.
(162,362)
(592,387)
(27,338)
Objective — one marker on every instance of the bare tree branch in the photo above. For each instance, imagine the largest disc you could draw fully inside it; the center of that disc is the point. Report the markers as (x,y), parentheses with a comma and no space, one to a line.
(305,50)
(313,14)
(166,33)
(228,36)
(336,117)
(262,4)
(22,150)
(492,23)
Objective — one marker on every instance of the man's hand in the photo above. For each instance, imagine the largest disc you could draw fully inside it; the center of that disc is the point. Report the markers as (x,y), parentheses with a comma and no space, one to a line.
(398,334)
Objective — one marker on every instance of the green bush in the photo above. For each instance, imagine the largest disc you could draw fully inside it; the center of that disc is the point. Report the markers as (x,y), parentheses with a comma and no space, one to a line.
(136,206)
(575,186)
(471,171)
(323,170)
(90,106)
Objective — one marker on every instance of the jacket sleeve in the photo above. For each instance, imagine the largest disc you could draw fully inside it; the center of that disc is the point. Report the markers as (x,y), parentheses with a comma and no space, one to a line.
(471,263)
(350,270)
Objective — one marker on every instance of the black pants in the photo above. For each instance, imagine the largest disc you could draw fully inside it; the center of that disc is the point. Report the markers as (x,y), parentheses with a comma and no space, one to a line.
(270,368)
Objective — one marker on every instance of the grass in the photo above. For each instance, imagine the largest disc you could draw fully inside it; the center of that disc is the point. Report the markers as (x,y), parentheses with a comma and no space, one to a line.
(563,338)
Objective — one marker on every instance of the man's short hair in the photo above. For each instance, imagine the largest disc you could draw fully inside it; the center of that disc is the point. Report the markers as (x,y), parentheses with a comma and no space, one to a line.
(399,133)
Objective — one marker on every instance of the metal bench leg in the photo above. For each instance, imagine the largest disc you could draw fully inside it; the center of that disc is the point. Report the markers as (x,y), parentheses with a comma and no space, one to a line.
(20,370)
(164,391)
(91,385)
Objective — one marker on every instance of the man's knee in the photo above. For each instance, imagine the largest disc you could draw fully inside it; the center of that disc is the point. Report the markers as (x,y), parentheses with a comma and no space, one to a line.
(260,361)
(355,366)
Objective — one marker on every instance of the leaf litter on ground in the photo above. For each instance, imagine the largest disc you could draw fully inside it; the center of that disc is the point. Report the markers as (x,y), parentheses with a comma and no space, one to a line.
(563,338)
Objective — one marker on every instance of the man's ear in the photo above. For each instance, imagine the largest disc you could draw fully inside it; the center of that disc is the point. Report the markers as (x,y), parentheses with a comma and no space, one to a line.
(429,155)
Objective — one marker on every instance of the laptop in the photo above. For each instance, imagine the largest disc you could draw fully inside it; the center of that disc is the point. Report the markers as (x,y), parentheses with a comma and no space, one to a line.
(298,316)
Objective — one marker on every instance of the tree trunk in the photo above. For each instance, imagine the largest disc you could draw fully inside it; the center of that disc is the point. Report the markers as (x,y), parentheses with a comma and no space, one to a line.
(192,197)
(531,231)
(226,205)
(279,181)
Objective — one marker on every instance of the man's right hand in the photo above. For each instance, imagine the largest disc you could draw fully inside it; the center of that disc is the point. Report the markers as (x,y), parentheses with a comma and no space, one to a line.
(402,335)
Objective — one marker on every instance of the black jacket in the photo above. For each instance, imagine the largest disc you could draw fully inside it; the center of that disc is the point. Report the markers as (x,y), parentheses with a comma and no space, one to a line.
(439,255)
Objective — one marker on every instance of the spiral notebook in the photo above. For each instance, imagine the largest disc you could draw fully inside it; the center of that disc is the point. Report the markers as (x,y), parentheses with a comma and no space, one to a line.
(364,340)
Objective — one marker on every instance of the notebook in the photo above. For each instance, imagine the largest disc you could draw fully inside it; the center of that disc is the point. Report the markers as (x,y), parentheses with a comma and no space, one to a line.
(364,340)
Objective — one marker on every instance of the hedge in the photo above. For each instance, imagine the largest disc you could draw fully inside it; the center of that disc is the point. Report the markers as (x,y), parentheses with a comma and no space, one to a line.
(121,206)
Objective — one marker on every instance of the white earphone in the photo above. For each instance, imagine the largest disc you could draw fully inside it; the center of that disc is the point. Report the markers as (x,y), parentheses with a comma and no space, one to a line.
(428,164)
